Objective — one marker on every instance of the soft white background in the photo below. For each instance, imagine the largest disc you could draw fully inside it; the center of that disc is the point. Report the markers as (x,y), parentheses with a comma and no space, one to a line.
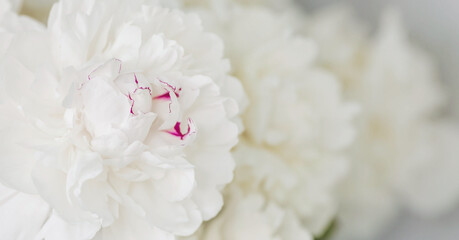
(434,24)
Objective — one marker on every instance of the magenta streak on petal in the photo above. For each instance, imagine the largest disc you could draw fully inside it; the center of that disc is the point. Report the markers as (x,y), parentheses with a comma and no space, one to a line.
(167,84)
(121,64)
(143,88)
(132,103)
(167,96)
(135,79)
(135,90)
(178,133)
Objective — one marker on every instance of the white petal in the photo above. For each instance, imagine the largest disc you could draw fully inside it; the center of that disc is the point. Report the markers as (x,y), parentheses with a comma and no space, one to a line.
(24,214)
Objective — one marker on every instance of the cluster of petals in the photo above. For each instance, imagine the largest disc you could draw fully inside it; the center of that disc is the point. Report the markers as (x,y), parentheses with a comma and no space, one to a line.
(116,122)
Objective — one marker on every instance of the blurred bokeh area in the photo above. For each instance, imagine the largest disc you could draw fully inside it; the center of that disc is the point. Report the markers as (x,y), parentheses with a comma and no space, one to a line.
(432,24)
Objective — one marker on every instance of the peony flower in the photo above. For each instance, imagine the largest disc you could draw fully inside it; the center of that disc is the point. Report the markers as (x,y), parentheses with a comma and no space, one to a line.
(257,204)
(252,209)
(253,217)
(117,119)
(295,121)
(401,149)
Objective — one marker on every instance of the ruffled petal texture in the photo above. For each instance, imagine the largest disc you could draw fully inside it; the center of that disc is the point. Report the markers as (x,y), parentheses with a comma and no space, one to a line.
(297,127)
(120,122)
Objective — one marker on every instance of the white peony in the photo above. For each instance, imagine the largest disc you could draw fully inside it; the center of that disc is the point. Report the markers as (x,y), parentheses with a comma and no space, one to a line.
(402,155)
(252,208)
(253,217)
(295,118)
(116,118)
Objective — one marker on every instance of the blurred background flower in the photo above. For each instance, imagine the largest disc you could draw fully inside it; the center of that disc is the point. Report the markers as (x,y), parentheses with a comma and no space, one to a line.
(431,24)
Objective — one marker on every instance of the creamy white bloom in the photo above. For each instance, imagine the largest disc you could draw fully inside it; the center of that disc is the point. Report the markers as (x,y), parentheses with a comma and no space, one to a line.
(295,117)
(342,41)
(401,150)
(253,217)
(252,208)
(117,117)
